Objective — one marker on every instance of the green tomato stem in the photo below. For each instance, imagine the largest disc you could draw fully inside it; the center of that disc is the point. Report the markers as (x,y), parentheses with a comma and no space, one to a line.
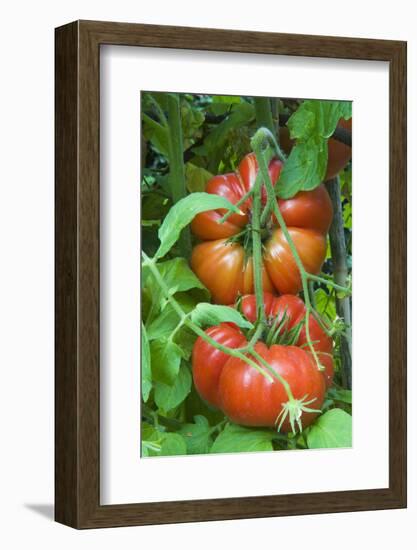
(258,141)
(328,282)
(176,165)
(257,250)
(263,113)
(241,201)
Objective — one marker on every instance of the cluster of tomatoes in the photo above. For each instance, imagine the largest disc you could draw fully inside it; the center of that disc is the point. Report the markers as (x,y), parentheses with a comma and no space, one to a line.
(223,264)
(243,393)
(220,260)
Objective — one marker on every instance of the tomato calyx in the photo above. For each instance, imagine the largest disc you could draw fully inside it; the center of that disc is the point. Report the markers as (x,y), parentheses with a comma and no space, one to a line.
(293,411)
(280,332)
(244,237)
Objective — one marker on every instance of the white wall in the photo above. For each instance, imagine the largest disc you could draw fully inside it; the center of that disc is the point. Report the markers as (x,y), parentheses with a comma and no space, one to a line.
(26,295)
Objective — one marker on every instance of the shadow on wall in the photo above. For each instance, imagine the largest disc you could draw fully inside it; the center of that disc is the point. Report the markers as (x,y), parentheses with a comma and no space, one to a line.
(45,510)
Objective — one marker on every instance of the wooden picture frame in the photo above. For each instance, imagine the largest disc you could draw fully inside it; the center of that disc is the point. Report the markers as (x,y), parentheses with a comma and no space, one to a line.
(77,382)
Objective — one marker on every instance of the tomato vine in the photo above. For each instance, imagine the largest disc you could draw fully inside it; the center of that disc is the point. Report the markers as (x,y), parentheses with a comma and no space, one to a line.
(174,228)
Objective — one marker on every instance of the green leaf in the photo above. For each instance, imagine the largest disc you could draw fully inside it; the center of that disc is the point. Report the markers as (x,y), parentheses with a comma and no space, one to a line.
(177,276)
(147,431)
(168,397)
(154,206)
(304,169)
(210,315)
(185,338)
(191,122)
(347,216)
(146,372)
(222,103)
(196,177)
(344,396)
(165,360)
(197,436)
(311,125)
(235,439)
(333,429)
(173,444)
(156,133)
(240,115)
(160,443)
(315,118)
(346,109)
(325,304)
(167,321)
(195,406)
(183,212)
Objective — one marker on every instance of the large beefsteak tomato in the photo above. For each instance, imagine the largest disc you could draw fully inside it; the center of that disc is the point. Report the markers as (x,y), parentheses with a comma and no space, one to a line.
(250,399)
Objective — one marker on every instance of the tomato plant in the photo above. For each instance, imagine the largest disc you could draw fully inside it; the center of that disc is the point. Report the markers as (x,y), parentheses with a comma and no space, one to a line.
(245,314)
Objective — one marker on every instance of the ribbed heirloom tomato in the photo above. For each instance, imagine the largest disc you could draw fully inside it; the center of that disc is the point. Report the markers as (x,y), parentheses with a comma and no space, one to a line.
(293,308)
(243,393)
(223,265)
(250,399)
(208,362)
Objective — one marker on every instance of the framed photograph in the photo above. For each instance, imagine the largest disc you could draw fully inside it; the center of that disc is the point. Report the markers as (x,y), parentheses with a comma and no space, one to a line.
(230,274)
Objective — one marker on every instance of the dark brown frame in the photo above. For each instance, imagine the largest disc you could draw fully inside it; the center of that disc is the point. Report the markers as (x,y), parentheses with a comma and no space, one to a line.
(77,274)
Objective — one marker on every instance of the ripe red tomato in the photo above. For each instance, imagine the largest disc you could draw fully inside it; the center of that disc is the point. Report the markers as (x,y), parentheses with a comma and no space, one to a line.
(250,399)
(294,310)
(208,361)
(224,270)
(279,260)
(339,154)
(223,266)
(232,187)
(308,210)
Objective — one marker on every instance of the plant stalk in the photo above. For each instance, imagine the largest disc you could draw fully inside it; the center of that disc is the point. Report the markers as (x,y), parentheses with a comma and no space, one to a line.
(340,274)
(257,144)
(263,113)
(176,165)
(257,250)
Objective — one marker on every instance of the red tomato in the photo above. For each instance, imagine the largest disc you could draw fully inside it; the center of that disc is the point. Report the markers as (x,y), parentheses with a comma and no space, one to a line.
(221,267)
(208,361)
(292,306)
(308,210)
(250,399)
(279,260)
(205,226)
(232,187)
(294,309)
(248,170)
